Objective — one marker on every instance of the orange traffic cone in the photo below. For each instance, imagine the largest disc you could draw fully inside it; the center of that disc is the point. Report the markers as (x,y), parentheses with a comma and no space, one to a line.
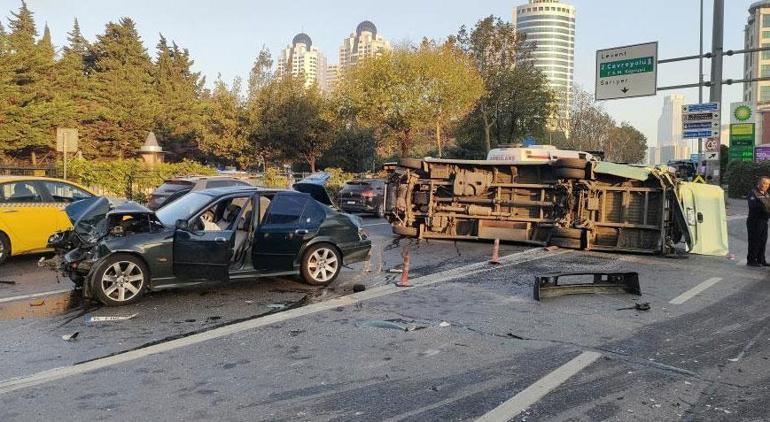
(495,253)
(405,273)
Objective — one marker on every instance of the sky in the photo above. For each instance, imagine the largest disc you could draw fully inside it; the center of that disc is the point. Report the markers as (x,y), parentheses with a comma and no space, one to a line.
(225,36)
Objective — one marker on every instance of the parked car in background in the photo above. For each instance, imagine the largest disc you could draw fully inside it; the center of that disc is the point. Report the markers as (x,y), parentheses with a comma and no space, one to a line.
(31,209)
(684,169)
(173,189)
(222,234)
(363,196)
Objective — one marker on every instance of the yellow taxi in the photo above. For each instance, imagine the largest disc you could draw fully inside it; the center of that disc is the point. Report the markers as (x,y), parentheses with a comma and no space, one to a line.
(31,210)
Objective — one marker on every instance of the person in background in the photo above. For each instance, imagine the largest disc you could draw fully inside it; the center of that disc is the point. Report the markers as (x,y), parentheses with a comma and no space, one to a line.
(756,223)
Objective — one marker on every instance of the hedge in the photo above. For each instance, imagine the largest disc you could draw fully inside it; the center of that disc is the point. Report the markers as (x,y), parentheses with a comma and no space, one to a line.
(742,176)
(132,179)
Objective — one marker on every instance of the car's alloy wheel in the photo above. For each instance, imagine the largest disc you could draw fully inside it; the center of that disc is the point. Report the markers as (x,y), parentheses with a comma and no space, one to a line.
(321,265)
(121,280)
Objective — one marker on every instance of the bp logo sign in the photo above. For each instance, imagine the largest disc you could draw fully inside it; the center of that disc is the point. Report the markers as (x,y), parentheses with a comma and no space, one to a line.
(742,113)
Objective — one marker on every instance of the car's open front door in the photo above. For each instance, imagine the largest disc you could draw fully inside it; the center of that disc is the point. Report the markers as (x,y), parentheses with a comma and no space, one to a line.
(202,255)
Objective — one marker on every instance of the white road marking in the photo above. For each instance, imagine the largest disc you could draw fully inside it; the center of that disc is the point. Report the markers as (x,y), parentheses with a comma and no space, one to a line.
(33,295)
(736,217)
(684,297)
(375,224)
(532,394)
(43,377)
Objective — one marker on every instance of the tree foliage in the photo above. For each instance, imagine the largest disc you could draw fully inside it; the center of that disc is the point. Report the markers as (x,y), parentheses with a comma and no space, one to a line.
(180,119)
(28,106)
(405,93)
(517,101)
(294,121)
(590,128)
(223,139)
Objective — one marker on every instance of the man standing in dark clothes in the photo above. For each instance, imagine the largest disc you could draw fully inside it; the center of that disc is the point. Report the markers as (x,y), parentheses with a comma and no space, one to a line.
(756,224)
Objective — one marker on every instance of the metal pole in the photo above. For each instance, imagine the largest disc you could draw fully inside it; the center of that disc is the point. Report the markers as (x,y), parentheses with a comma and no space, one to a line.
(700,86)
(717,47)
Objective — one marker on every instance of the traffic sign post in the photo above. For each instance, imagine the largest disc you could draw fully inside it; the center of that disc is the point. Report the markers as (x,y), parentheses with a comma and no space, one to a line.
(704,121)
(627,72)
(66,141)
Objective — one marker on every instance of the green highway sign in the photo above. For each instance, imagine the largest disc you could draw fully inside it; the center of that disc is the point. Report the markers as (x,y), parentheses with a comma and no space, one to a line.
(627,67)
(627,72)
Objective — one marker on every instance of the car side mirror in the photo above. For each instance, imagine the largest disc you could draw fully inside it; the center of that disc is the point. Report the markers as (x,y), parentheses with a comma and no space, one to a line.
(182,225)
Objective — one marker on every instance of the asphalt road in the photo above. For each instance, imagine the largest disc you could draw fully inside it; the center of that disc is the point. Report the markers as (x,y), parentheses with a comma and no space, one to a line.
(465,342)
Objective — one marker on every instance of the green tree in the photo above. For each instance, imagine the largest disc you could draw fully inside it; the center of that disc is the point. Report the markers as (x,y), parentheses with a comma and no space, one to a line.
(261,73)
(71,83)
(295,120)
(588,127)
(29,109)
(452,85)
(224,139)
(5,82)
(627,145)
(497,50)
(387,93)
(260,79)
(353,150)
(124,102)
(181,111)
(591,128)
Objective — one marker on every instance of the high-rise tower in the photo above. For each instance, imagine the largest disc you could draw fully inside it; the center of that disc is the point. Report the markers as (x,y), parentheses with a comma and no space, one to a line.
(550,24)
(301,58)
(365,42)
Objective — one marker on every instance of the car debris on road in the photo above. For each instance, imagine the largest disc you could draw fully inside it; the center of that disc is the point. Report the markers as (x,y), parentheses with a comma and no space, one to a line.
(70,337)
(547,286)
(92,318)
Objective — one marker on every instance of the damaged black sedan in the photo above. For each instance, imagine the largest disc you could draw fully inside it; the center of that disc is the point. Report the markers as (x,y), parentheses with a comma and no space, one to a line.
(214,235)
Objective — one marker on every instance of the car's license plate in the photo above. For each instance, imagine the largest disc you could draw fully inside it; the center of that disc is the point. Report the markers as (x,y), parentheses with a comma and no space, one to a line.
(351,202)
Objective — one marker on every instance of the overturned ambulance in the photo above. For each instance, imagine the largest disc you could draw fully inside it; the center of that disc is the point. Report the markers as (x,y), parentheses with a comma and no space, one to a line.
(544,196)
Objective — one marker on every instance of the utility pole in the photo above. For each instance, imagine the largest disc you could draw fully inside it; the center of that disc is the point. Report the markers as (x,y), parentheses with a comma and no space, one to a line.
(700,87)
(717,48)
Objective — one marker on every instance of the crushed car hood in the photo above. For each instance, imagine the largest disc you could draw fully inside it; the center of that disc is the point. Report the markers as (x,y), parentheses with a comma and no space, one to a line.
(87,208)
(90,214)
(315,186)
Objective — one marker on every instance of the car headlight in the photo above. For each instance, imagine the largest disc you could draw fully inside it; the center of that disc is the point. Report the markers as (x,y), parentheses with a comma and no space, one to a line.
(56,238)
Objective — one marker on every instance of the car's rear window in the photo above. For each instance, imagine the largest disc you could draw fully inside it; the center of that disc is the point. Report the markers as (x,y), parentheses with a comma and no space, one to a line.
(170,186)
(356,185)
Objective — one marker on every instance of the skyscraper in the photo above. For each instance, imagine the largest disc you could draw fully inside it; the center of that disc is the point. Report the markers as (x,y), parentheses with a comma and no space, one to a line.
(550,24)
(670,142)
(301,58)
(757,34)
(364,42)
